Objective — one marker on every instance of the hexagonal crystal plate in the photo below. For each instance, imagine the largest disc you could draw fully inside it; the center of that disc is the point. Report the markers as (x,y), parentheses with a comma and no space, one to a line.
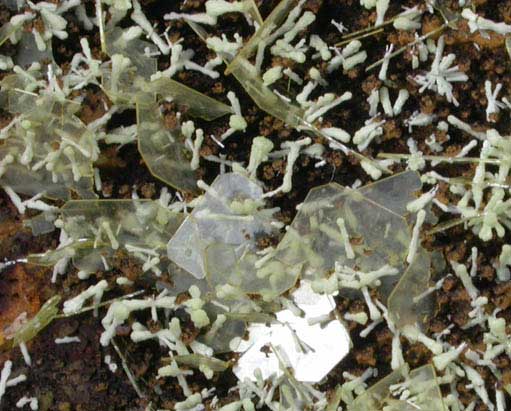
(310,349)
(213,221)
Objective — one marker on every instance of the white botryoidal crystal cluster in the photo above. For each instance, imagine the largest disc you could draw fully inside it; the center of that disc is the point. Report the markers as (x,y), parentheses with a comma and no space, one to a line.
(408,19)
(6,63)
(119,312)
(6,381)
(94,292)
(283,47)
(493,215)
(503,272)
(382,96)
(478,23)
(321,47)
(326,102)
(199,139)
(494,106)
(443,360)
(16,24)
(118,4)
(381,8)
(419,203)
(349,57)
(496,214)
(272,75)
(414,243)
(214,9)
(259,151)
(456,122)
(54,23)
(367,133)
(143,23)
(223,47)
(416,160)
(194,306)
(84,69)
(496,338)
(181,59)
(363,281)
(419,119)
(32,402)
(294,148)
(382,75)
(236,121)
(442,74)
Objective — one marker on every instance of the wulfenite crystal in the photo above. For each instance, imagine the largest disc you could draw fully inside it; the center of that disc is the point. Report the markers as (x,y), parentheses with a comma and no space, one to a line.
(228,214)
(310,348)
(96,229)
(364,228)
(421,383)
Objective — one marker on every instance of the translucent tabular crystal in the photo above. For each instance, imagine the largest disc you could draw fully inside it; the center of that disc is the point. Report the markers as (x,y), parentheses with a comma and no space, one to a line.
(195,104)
(406,304)
(135,49)
(311,350)
(51,150)
(374,221)
(384,395)
(35,325)
(224,265)
(97,228)
(216,220)
(163,150)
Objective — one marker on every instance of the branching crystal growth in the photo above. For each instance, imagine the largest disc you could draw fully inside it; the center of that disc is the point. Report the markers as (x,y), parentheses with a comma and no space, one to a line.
(181,59)
(442,74)
(54,23)
(476,22)
(496,215)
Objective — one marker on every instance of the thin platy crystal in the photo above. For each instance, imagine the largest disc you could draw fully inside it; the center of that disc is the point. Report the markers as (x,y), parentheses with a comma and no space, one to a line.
(36,324)
(163,150)
(98,228)
(52,151)
(422,385)
(216,220)
(311,349)
(378,235)
(407,303)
